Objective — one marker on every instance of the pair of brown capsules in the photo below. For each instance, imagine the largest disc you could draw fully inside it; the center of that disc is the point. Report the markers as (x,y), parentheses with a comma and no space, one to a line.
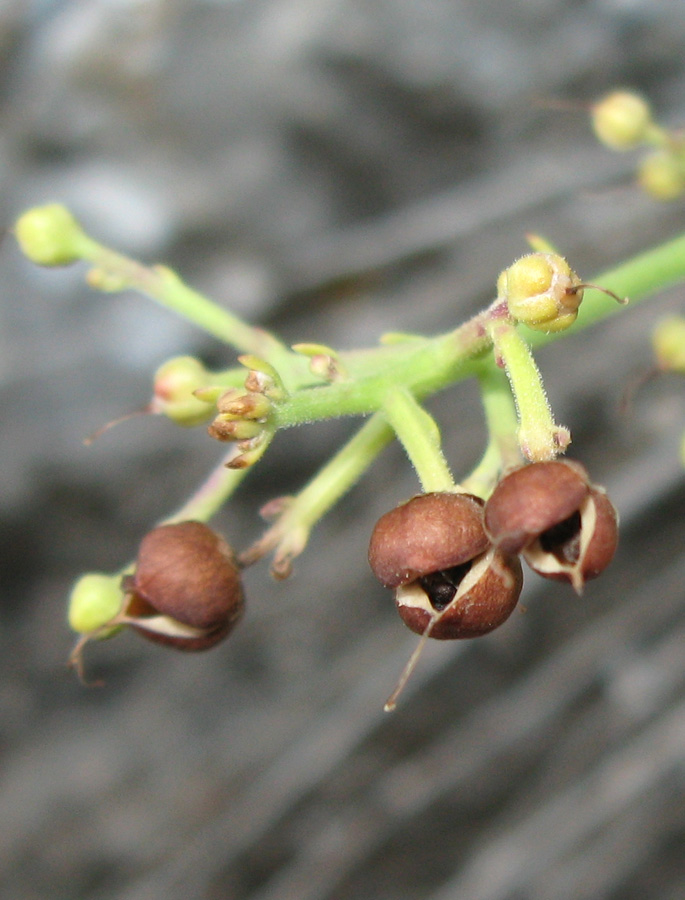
(453,560)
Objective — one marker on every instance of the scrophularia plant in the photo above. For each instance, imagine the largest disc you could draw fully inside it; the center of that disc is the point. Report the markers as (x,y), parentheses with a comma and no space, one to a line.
(451,554)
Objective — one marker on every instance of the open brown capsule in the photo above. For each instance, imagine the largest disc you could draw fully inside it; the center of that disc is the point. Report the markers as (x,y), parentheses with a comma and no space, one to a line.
(565,527)
(448,581)
(463,602)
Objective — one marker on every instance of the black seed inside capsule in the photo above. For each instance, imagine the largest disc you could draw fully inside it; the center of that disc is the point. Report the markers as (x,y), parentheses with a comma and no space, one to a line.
(442,586)
(563,540)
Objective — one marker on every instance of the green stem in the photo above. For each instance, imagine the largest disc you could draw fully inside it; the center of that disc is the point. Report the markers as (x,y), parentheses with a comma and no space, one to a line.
(424,366)
(211,495)
(538,435)
(424,369)
(502,450)
(290,533)
(113,271)
(429,365)
(420,436)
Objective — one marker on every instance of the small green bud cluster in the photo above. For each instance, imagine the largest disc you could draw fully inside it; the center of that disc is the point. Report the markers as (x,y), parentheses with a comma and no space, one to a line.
(244,414)
(623,121)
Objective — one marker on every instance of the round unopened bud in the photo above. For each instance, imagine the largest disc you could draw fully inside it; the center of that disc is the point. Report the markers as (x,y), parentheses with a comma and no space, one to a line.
(94,601)
(621,120)
(542,291)
(668,341)
(565,527)
(186,589)
(662,175)
(50,235)
(174,384)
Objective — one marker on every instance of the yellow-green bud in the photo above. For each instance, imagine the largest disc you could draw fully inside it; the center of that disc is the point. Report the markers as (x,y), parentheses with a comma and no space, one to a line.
(95,600)
(50,235)
(174,383)
(662,175)
(621,120)
(668,341)
(226,427)
(542,291)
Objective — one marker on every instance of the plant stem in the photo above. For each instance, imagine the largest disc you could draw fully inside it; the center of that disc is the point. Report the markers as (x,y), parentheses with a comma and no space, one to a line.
(423,365)
(538,435)
(113,271)
(502,449)
(290,532)
(429,365)
(420,436)
(211,495)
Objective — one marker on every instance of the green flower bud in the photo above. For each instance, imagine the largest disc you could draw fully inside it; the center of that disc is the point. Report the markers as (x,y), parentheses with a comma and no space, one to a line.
(227,428)
(542,291)
(174,384)
(621,120)
(662,175)
(94,601)
(236,404)
(50,235)
(668,341)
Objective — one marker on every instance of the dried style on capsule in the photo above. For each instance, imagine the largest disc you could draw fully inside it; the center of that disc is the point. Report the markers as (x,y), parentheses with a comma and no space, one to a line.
(565,527)
(186,589)
(448,581)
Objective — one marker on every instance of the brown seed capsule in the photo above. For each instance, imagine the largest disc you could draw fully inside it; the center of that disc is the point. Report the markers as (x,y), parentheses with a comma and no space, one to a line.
(466,601)
(428,533)
(186,589)
(565,526)
(434,552)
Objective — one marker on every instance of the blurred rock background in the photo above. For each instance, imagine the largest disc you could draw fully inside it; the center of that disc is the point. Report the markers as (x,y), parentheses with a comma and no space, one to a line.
(332,169)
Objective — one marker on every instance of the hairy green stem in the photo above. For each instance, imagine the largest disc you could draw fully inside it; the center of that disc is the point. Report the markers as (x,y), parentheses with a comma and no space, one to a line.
(289,534)
(424,366)
(502,450)
(208,499)
(113,271)
(419,434)
(538,434)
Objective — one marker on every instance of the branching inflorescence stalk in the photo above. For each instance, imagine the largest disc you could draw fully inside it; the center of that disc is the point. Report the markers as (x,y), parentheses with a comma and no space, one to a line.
(286,387)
